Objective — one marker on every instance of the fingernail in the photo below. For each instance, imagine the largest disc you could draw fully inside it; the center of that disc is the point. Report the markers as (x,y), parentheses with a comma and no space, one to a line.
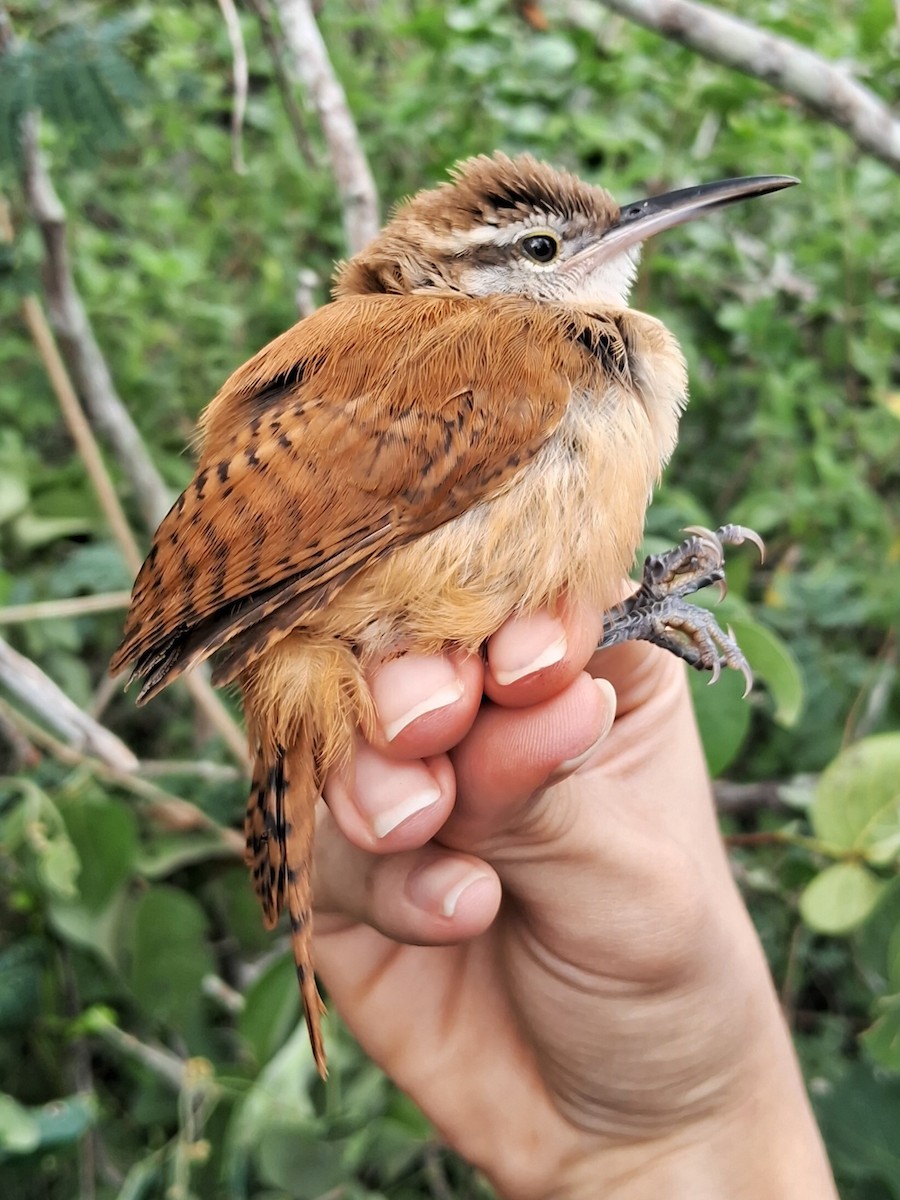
(387,794)
(526,645)
(387,821)
(407,688)
(572,764)
(437,887)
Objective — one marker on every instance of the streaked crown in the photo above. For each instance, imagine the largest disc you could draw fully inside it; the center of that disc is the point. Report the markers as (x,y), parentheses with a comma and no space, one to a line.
(502,226)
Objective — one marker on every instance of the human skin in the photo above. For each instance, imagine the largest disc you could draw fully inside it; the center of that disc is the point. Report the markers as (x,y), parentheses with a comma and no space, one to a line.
(526,915)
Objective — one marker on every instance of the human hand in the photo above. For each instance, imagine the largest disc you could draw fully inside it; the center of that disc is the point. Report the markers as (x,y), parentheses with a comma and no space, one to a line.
(544,946)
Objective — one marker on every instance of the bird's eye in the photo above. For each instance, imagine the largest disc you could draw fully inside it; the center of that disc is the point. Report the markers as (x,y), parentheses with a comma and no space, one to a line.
(540,247)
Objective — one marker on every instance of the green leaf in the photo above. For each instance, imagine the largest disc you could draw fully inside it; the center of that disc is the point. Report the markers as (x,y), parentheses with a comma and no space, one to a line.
(167,853)
(271,1008)
(170,955)
(59,867)
(104,834)
(305,1168)
(66,1120)
(859,1119)
(279,1097)
(13,496)
(771,659)
(882,1040)
(840,898)
(19,1130)
(723,715)
(773,662)
(97,932)
(857,801)
(21,964)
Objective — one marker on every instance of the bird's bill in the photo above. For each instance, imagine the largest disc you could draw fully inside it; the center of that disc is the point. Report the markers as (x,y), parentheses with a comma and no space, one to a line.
(643,218)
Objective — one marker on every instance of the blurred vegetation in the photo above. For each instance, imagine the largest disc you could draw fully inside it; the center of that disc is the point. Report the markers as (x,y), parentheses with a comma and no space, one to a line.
(147,1022)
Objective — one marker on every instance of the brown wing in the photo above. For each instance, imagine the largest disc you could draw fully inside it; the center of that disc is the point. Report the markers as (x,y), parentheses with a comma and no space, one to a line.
(371,422)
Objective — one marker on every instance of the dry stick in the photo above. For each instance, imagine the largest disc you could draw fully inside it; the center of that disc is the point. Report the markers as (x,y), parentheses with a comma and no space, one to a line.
(25,680)
(738,799)
(53,610)
(285,87)
(240,76)
(310,61)
(165,809)
(826,89)
(201,692)
(73,327)
(198,688)
(161,1062)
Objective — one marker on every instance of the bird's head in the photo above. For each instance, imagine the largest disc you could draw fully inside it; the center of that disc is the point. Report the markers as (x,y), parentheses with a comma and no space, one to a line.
(517,227)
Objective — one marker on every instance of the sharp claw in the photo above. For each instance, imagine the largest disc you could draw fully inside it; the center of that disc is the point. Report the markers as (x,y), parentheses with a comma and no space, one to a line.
(752,536)
(748,677)
(736,534)
(705,535)
(721,586)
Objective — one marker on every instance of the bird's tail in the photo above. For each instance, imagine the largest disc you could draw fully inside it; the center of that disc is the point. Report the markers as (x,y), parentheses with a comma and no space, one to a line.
(303,701)
(280,827)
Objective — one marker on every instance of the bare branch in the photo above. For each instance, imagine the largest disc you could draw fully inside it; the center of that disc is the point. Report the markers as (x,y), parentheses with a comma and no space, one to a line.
(240,77)
(157,1059)
(82,434)
(826,89)
(53,610)
(165,809)
(73,327)
(211,772)
(285,87)
(738,799)
(25,680)
(305,294)
(309,57)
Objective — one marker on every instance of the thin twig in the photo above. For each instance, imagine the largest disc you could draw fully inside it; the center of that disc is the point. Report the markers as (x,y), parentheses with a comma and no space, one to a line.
(305,294)
(160,1062)
(79,1056)
(25,680)
(737,799)
(285,87)
(53,610)
(826,89)
(212,772)
(82,434)
(310,61)
(438,1186)
(240,76)
(57,268)
(24,754)
(73,327)
(165,809)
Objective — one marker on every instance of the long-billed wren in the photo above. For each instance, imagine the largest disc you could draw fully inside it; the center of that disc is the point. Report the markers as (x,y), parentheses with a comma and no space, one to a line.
(472,429)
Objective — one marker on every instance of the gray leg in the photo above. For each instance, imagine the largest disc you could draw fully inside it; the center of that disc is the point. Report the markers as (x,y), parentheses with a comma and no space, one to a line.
(658,611)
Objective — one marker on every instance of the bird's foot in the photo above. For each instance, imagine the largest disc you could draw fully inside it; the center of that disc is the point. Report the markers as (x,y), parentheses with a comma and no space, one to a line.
(658,611)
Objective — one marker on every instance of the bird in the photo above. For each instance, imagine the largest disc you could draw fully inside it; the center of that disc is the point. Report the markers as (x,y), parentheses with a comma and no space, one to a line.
(472,428)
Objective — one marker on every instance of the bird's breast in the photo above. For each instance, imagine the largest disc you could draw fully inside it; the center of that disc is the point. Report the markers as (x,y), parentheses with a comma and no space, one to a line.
(569,521)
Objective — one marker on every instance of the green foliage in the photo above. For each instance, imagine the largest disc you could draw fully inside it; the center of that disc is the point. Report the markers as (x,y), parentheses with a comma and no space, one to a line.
(79,77)
(116,928)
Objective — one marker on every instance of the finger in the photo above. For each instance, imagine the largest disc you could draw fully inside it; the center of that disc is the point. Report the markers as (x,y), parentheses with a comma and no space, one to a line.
(424,704)
(385,806)
(428,897)
(532,658)
(509,757)
(637,671)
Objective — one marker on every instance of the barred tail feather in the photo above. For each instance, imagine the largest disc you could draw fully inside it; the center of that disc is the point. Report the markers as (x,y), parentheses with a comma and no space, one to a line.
(280,827)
